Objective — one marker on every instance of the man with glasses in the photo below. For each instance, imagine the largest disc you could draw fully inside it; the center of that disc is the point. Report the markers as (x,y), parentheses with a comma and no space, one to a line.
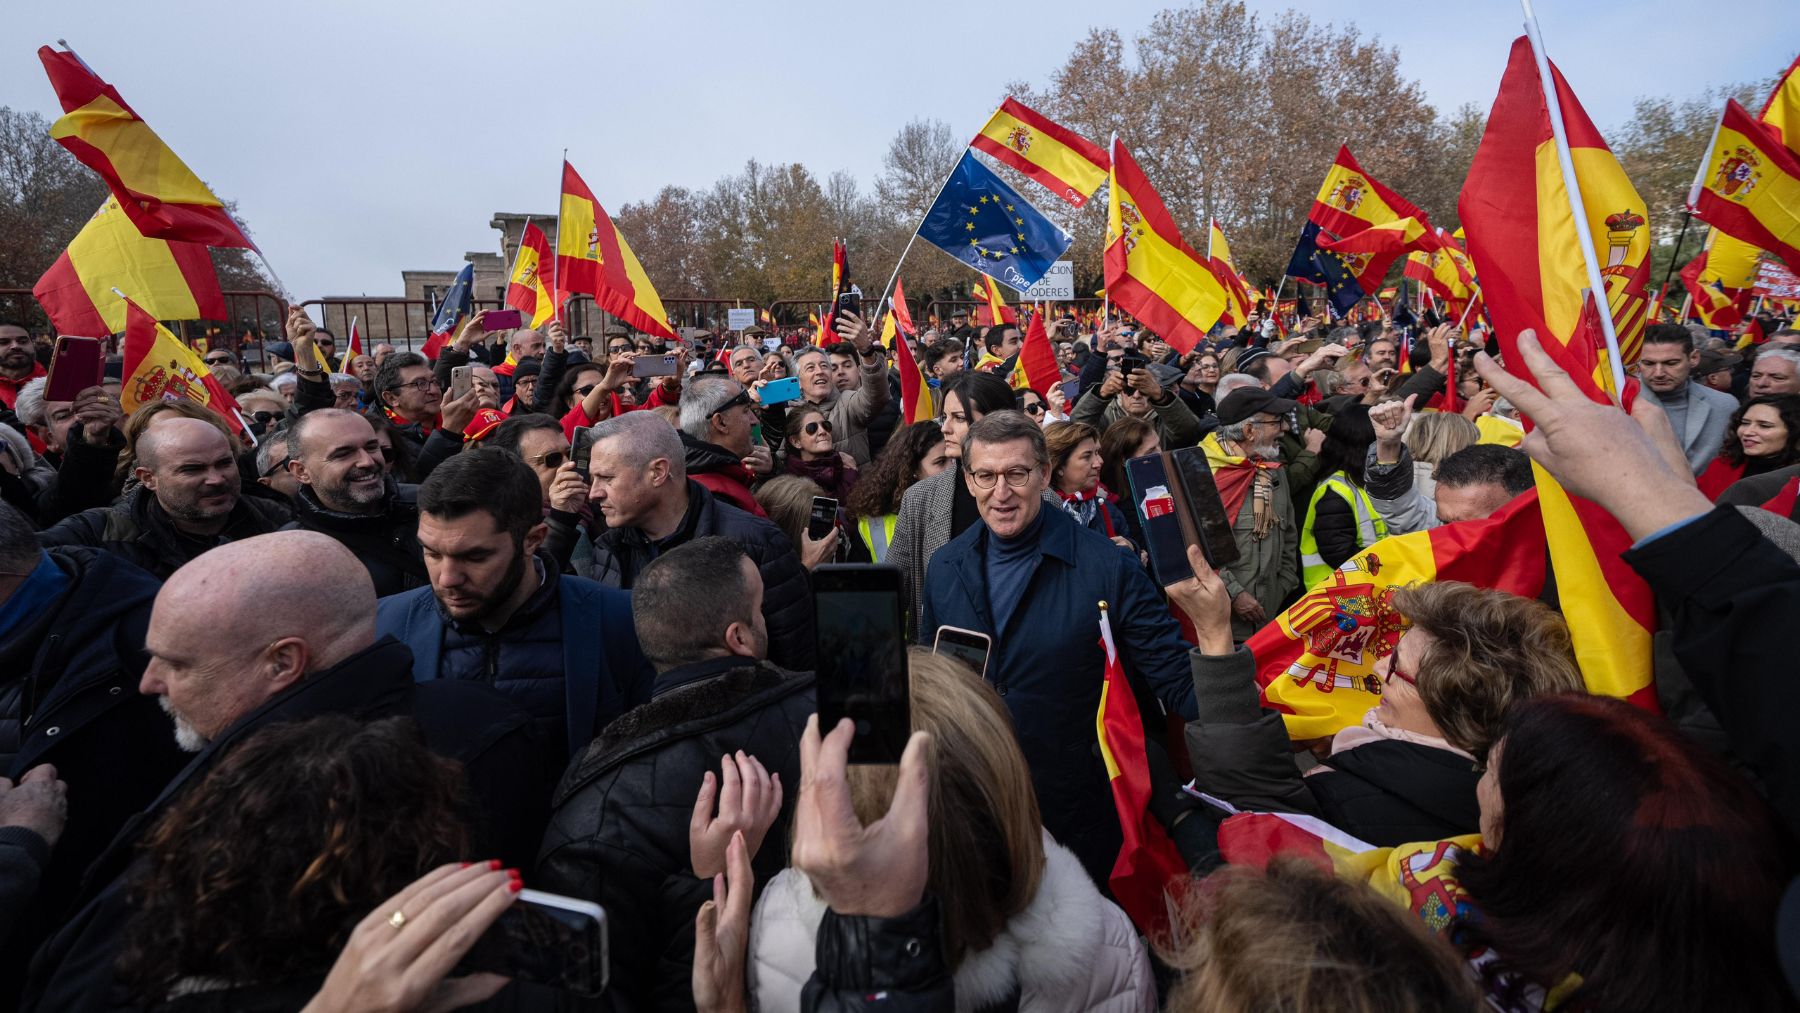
(1031,579)
(717,422)
(345,492)
(539,441)
(1245,454)
(219,357)
(18,361)
(409,395)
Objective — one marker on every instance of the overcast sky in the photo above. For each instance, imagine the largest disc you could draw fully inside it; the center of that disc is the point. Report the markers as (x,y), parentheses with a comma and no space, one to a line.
(363,138)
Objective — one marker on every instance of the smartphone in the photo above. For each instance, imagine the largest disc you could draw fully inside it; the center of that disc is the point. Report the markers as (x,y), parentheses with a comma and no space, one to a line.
(1071,389)
(1132,362)
(967,646)
(75,365)
(501,320)
(1206,511)
(850,302)
(547,939)
(655,365)
(461,379)
(581,450)
(781,391)
(823,519)
(861,663)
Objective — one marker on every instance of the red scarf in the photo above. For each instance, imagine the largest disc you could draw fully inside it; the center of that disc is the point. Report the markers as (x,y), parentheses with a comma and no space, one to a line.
(1098,493)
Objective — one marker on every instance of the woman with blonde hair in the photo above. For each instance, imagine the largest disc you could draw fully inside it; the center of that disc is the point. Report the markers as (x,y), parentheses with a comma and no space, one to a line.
(1023,926)
(787,499)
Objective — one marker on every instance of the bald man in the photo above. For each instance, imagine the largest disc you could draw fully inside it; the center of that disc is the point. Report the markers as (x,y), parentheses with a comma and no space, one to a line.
(345,492)
(189,499)
(300,611)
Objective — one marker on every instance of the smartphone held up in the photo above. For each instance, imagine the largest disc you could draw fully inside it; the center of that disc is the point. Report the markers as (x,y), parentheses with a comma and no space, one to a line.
(861,666)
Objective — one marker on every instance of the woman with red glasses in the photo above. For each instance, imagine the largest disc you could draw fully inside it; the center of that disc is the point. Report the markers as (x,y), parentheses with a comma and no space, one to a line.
(1408,771)
(812,454)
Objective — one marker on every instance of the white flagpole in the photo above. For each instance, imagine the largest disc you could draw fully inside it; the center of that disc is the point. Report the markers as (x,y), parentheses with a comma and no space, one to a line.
(1577,207)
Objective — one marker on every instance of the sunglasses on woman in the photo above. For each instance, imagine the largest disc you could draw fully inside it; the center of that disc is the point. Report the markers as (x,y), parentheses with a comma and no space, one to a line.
(812,428)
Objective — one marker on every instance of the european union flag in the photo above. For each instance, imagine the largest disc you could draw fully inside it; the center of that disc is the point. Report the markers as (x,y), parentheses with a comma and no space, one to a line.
(458,302)
(1335,271)
(984,223)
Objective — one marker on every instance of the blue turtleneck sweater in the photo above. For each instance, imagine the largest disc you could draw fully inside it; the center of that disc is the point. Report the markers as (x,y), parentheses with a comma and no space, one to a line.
(1010,563)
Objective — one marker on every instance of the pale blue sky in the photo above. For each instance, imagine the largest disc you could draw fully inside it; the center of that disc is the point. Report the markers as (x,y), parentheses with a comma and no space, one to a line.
(360,139)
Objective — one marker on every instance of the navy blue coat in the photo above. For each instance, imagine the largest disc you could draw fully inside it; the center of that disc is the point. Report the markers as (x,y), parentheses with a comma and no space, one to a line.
(1048,665)
(569,657)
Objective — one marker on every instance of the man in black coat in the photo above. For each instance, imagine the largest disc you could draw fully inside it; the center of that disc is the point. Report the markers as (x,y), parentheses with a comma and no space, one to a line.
(189,500)
(620,832)
(641,488)
(72,624)
(345,493)
(300,612)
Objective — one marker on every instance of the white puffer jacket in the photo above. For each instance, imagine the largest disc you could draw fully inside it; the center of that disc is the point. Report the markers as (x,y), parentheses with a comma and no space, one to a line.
(1071,949)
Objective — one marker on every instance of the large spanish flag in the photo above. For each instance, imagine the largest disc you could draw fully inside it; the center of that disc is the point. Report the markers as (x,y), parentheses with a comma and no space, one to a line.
(593,257)
(1035,365)
(1151,272)
(154,187)
(1218,251)
(1521,232)
(173,280)
(158,367)
(1523,242)
(1360,216)
(1749,187)
(1781,112)
(1148,863)
(1067,164)
(526,291)
(1719,280)
(1316,661)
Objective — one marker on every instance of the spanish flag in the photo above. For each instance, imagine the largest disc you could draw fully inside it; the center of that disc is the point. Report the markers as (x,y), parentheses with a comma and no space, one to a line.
(158,367)
(526,292)
(1781,112)
(1151,272)
(354,345)
(1366,220)
(154,188)
(1035,365)
(1148,866)
(1067,164)
(592,256)
(1522,237)
(915,395)
(1524,246)
(175,280)
(1218,250)
(996,311)
(1719,280)
(840,273)
(1749,186)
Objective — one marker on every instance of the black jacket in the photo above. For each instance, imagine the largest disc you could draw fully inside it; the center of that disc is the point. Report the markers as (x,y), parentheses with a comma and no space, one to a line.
(620,554)
(1387,793)
(69,696)
(894,965)
(138,529)
(387,543)
(84,477)
(472,724)
(618,835)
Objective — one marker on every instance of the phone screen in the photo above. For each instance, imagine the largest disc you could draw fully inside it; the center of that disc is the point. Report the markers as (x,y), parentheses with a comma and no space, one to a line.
(823,519)
(1070,389)
(581,450)
(862,658)
(1132,362)
(501,320)
(548,940)
(1204,507)
(966,646)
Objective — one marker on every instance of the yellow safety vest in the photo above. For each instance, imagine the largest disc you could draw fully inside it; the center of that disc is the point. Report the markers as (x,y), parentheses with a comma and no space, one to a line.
(878,536)
(1370,528)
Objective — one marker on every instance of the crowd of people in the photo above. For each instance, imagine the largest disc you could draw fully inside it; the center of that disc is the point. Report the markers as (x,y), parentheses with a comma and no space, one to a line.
(294,704)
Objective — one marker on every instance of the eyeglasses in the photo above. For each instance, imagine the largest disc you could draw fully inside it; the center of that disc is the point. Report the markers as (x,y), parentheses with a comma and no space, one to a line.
(585,391)
(1395,673)
(280,465)
(423,383)
(812,428)
(263,418)
(552,460)
(217,360)
(1034,407)
(1018,478)
(743,399)
(616,349)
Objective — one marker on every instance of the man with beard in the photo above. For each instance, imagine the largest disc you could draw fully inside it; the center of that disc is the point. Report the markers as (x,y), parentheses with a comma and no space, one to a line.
(498,610)
(345,492)
(1245,455)
(18,363)
(188,501)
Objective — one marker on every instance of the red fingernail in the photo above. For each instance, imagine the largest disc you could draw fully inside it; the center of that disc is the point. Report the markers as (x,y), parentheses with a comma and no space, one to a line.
(466,865)
(494,863)
(514,873)
(515,886)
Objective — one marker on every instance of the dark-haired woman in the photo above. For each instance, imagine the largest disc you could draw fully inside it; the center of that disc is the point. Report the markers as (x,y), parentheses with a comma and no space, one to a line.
(811,453)
(255,878)
(1764,435)
(1341,519)
(915,452)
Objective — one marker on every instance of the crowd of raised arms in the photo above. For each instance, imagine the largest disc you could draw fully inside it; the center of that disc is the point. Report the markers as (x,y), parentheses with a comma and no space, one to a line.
(295,714)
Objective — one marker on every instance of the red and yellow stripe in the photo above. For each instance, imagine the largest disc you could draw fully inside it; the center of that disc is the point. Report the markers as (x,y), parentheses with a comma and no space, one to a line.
(593,257)
(171,279)
(1151,273)
(1069,165)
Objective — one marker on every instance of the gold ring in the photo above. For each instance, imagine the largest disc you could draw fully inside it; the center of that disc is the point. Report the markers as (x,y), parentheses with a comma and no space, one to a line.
(397,919)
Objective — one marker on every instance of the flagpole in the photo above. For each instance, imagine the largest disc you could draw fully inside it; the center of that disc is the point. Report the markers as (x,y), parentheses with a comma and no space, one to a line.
(915,232)
(556,252)
(1577,207)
